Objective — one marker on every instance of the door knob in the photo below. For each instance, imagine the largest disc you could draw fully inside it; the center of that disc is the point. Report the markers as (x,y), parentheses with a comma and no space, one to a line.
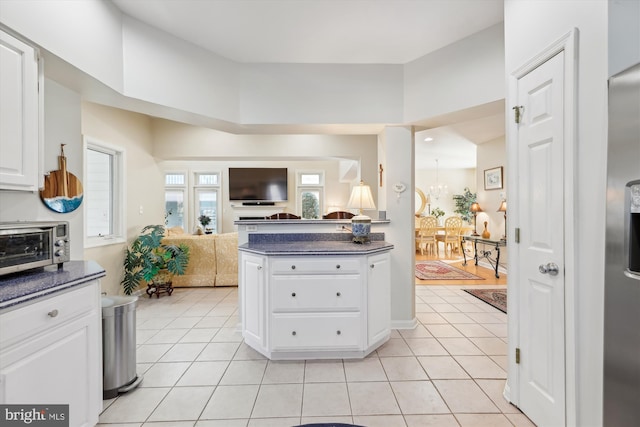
(551,268)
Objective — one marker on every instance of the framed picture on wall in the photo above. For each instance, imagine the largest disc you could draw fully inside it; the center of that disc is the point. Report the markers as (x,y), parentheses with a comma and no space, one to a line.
(493,178)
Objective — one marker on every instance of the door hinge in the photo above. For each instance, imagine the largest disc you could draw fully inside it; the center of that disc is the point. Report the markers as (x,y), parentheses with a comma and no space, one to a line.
(517,236)
(517,355)
(518,112)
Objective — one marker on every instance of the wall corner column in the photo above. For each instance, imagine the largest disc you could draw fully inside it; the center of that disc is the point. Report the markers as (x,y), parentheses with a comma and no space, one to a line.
(396,155)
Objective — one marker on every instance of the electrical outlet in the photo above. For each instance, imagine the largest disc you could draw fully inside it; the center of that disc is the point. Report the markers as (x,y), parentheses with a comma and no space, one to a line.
(252,228)
(339,227)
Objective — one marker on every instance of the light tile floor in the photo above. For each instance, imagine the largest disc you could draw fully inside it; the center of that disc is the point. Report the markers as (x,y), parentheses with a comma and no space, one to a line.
(449,371)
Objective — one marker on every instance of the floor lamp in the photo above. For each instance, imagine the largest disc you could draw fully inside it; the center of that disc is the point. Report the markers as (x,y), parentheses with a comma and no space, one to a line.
(475,208)
(503,208)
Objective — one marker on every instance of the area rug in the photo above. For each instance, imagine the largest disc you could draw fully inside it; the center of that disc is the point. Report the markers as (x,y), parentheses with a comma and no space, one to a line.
(438,270)
(494,297)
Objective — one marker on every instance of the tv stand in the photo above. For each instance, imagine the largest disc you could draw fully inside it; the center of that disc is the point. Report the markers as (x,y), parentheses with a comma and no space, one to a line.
(258,203)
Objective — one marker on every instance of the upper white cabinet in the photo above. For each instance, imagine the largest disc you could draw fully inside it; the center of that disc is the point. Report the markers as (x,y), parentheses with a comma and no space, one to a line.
(20,148)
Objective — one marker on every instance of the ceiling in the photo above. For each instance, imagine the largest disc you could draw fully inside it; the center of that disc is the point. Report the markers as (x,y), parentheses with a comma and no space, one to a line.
(318,31)
(342,32)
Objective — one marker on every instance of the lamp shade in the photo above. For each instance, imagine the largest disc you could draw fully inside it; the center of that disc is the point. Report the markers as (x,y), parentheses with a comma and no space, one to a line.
(503,206)
(361,198)
(475,207)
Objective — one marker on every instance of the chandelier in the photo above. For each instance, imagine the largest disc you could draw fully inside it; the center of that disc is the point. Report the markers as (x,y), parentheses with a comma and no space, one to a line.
(438,189)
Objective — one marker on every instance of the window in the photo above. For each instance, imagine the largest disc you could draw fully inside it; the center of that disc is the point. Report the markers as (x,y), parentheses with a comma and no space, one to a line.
(206,198)
(174,199)
(103,193)
(310,190)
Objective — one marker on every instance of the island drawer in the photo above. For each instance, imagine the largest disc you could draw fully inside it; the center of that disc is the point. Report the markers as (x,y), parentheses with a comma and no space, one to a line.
(316,293)
(315,265)
(47,313)
(318,331)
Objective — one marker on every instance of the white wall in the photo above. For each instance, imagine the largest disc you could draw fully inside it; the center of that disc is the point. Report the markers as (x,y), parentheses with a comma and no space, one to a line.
(143,181)
(191,78)
(462,75)
(87,34)
(490,155)
(61,126)
(398,143)
(624,34)
(144,64)
(531,26)
(321,93)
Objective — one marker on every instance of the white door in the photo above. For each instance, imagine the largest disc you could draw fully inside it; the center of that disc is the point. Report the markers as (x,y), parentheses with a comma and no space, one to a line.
(541,249)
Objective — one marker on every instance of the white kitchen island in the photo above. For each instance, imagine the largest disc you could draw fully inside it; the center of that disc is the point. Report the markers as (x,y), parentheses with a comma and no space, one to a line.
(314,296)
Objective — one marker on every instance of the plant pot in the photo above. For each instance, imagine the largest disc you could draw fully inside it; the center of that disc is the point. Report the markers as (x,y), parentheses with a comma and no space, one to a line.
(162,278)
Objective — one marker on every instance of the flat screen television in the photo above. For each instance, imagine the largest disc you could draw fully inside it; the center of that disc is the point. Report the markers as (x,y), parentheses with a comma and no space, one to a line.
(258,184)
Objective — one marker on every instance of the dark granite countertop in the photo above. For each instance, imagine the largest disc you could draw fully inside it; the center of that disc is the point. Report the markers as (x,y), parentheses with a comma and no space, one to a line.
(302,221)
(313,244)
(33,284)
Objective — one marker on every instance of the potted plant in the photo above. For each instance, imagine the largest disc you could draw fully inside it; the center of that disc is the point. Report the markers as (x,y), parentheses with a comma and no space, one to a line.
(148,258)
(463,204)
(205,220)
(438,213)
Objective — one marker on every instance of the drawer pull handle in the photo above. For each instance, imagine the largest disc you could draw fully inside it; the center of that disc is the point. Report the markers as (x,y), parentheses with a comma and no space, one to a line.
(293,333)
(338,266)
(338,294)
(293,294)
(338,332)
(52,313)
(259,267)
(372,266)
(293,267)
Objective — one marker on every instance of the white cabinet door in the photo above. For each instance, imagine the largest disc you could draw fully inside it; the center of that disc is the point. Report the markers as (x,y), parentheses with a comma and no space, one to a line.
(60,365)
(378,297)
(19,121)
(253,298)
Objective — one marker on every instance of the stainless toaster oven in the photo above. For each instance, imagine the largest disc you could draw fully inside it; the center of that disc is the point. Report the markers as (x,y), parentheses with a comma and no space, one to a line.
(27,245)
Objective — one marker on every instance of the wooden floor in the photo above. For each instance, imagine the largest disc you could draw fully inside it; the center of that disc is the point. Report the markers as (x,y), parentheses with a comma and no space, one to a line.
(456,261)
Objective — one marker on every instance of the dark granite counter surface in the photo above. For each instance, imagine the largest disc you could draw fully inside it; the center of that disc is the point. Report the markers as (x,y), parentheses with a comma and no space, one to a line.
(258,221)
(29,285)
(313,244)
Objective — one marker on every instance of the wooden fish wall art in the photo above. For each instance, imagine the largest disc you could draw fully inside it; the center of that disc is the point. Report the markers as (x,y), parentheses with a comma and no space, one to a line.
(62,190)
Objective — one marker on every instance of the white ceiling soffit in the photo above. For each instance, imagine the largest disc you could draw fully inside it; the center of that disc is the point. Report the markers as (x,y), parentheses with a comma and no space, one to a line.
(454,144)
(318,31)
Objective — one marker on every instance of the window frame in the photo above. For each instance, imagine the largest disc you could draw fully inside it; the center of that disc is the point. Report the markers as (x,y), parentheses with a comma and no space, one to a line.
(118,193)
(178,187)
(300,188)
(196,188)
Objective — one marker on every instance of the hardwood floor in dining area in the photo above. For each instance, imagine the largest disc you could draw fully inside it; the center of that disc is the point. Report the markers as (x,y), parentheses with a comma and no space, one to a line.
(456,260)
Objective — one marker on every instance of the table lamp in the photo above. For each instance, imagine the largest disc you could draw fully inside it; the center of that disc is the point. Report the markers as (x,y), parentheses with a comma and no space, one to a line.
(475,208)
(503,208)
(360,199)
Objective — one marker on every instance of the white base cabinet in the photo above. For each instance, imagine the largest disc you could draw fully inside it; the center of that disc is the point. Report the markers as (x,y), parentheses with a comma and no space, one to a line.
(51,353)
(315,307)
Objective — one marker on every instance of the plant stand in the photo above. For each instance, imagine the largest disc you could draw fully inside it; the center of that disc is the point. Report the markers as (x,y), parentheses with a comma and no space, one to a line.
(159,288)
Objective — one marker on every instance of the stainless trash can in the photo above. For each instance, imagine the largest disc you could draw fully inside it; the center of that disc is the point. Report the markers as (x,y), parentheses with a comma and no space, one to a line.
(118,345)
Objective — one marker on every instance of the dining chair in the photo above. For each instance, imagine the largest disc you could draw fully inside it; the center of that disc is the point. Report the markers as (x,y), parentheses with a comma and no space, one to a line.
(426,238)
(451,236)
(338,215)
(283,215)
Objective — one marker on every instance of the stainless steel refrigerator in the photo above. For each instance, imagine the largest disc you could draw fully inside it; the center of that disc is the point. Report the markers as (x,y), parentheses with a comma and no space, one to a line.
(622,270)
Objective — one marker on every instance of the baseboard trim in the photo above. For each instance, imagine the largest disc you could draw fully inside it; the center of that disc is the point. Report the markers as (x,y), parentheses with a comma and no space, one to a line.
(404,324)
